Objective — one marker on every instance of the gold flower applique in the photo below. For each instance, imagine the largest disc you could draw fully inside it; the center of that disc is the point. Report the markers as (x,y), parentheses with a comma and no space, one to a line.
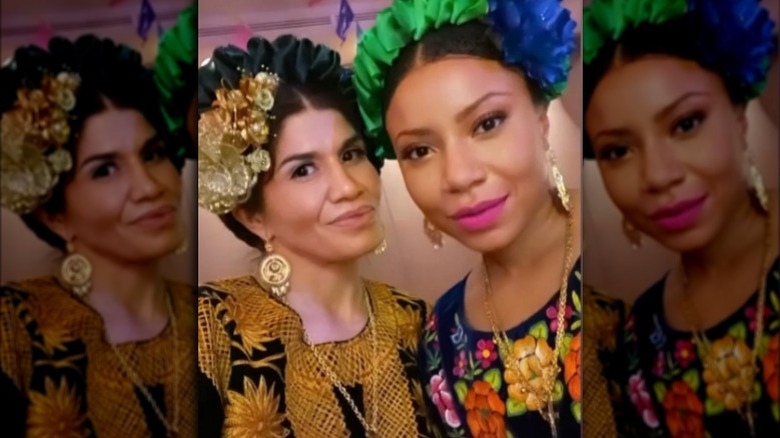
(32,136)
(531,372)
(230,140)
(728,372)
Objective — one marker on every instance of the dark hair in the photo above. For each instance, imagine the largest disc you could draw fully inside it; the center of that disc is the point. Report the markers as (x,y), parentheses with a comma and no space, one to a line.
(674,37)
(473,38)
(310,77)
(107,71)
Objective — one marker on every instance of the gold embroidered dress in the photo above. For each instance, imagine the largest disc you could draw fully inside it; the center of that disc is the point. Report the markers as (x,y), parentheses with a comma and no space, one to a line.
(257,377)
(60,378)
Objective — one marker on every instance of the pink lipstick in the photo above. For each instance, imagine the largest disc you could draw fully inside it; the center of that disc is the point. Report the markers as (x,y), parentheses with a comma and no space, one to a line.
(681,215)
(482,215)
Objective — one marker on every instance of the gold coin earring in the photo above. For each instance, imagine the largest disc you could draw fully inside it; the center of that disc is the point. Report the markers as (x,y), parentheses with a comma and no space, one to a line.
(434,235)
(757,184)
(632,234)
(557,176)
(275,272)
(76,272)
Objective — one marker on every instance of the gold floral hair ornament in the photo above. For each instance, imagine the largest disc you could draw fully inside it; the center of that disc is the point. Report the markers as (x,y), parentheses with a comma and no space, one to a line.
(33,134)
(231,136)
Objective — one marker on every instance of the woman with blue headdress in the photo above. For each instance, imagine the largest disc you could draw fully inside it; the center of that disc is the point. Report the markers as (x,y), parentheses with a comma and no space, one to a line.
(666,89)
(458,92)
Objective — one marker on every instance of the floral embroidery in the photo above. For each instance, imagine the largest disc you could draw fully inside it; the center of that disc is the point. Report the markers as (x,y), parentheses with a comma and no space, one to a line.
(659,368)
(485,411)
(571,368)
(552,315)
(684,354)
(57,412)
(677,396)
(471,378)
(771,367)
(683,411)
(442,399)
(461,362)
(750,314)
(486,352)
(641,399)
(255,412)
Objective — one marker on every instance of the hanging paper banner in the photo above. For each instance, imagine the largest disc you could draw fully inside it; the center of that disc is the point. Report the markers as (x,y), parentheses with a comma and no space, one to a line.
(358,30)
(44,34)
(145,19)
(345,19)
(243,34)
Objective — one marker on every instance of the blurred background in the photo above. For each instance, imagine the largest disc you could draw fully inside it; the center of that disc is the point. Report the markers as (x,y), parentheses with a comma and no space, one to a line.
(410,263)
(138,24)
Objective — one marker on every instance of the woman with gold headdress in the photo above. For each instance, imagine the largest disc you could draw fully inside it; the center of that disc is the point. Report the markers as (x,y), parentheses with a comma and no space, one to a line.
(458,91)
(304,347)
(105,347)
(667,84)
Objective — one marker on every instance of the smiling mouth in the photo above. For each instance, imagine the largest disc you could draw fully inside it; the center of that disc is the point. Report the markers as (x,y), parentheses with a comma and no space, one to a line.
(159,218)
(356,218)
(680,216)
(482,215)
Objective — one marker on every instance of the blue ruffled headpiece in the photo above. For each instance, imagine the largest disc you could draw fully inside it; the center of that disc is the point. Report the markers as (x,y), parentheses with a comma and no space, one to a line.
(538,36)
(736,37)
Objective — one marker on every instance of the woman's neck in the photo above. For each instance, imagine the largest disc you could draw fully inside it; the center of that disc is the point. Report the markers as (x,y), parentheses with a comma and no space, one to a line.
(544,238)
(326,290)
(742,240)
(712,282)
(131,298)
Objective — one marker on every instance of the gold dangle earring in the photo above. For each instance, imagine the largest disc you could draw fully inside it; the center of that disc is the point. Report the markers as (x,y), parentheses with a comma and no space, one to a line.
(757,184)
(560,186)
(382,247)
(182,248)
(632,234)
(76,272)
(434,235)
(275,272)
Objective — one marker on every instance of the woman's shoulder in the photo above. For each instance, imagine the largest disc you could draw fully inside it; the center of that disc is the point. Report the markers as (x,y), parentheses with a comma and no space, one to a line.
(37,292)
(396,296)
(233,288)
(451,300)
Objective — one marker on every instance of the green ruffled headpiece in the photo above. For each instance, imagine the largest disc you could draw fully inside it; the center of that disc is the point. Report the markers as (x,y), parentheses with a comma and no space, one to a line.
(606,20)
(733,37)
(175,74)
(536,36)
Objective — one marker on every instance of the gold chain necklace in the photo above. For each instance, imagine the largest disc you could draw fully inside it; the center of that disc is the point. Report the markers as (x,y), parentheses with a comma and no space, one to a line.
(710,363)
(371,430)
(549,372)
(138,383)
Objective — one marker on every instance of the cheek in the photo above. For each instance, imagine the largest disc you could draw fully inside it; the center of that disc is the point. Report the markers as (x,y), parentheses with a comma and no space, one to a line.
(423,182)
(93,206)
(622,186)
(293,206)
(169,178)
(517,158)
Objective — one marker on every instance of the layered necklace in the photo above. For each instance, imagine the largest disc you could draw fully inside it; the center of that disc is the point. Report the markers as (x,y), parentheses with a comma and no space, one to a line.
(323,362)
(522,371)
(739,377)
